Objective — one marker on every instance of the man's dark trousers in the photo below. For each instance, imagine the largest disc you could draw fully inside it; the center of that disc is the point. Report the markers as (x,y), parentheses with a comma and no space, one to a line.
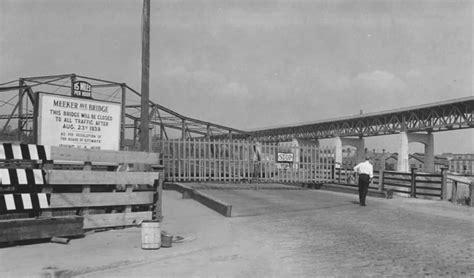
(363,187)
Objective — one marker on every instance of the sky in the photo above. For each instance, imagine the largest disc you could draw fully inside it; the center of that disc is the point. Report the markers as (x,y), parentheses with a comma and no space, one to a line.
(252,64)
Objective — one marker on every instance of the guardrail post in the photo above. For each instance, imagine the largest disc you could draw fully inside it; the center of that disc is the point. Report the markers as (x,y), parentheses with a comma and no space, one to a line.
(339,174)
(413,183)
(454,191)
(381,175)
(444,184)
(471,194)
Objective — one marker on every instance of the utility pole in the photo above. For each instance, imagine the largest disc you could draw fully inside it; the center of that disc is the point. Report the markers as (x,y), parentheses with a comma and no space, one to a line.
(144,119)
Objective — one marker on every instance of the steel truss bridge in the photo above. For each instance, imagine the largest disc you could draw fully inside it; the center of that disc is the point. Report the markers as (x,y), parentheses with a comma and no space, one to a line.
(435,117)
(18,100)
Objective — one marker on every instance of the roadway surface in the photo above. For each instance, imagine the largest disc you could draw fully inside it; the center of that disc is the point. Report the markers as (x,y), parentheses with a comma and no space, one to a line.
(274,233)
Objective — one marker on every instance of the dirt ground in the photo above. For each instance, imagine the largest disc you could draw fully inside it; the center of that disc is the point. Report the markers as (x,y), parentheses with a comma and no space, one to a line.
(273,233)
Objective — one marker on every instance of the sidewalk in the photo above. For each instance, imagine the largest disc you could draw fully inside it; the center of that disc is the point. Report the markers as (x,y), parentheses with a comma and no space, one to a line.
(313,234)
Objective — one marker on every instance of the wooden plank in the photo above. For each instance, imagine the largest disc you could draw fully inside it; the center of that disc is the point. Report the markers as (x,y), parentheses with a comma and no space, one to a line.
(428,181)
(224,160)
(229,160)
(241,160)
(396,184)
(245,153)
(66,177)
(104,156)
(268,150)
(188,156)
(158,200)
(47,189)
(234,160)
(310,164)
(321,164)
(182,162)
(214,160)
(260,162)
(195,159)
(86,188)
(24,229)
(397,179)
(171,171)
(248,154)
(94,221)
(429,175)
(128,190)
(202,160)
(100,199)
(397,173)
(219,158)
(207,159)
(301,165)
(316,174)
(238,165)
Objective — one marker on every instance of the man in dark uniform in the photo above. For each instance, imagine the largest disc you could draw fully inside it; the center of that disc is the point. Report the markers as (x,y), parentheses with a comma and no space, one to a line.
(366,174)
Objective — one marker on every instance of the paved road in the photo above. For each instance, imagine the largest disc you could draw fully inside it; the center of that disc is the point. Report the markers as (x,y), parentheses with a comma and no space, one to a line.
(306,233)
(276,233)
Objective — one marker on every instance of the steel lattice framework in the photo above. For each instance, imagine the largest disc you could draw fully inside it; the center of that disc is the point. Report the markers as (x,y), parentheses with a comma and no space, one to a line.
(436,117)
(17,113)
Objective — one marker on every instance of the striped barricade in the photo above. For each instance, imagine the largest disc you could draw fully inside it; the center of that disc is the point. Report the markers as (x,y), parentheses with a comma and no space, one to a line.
(13,177)
(22,196)
(24,202)
(24,152)
(21,188)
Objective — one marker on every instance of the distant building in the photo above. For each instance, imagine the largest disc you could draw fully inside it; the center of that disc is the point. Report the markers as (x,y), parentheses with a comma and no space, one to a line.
(416,161)
(461,163)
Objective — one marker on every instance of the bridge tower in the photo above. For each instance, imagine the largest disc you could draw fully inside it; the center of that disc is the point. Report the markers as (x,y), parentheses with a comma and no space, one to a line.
(407,138)
(341,142)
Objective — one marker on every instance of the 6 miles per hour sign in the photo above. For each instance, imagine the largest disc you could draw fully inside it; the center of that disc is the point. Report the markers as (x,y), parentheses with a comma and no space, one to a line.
(78,122)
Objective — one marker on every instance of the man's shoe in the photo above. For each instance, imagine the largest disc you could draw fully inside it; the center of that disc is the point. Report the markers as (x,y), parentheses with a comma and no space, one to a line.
(363,205)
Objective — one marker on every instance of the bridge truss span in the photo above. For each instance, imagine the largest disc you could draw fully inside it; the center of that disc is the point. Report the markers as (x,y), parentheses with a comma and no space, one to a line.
(441,116)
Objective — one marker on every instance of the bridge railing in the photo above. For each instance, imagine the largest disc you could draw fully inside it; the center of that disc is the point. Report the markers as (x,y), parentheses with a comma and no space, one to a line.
(415,184)
(461,189)
(412,184)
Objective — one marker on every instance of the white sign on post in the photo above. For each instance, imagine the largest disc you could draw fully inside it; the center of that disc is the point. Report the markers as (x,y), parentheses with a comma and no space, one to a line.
(78,122)
(284,157)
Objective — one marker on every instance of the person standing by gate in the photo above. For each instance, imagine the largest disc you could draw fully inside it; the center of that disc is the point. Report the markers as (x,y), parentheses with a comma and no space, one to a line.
(366,174)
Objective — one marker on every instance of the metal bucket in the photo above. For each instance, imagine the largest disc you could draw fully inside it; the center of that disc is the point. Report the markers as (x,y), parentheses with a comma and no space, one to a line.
(151,234)
(166,240)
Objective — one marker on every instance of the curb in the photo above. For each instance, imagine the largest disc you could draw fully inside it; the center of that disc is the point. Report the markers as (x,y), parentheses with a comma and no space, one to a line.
(190,193)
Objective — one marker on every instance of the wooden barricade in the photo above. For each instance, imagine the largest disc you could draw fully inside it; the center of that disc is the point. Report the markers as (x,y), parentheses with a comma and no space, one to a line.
(113,188)
(414,184)
(61,191)
(237,161)
(347,177)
